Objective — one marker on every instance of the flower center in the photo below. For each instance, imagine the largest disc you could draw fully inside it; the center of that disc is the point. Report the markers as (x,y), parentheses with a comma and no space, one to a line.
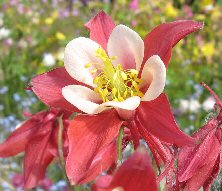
(114,83)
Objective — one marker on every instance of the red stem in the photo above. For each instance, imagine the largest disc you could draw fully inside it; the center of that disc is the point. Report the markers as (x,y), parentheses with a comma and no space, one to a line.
(213,93)
(146,136)
(168,168)
(151,141)
(134,133)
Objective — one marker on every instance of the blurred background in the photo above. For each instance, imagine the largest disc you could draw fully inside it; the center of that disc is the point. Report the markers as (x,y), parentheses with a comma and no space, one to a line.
(33,35)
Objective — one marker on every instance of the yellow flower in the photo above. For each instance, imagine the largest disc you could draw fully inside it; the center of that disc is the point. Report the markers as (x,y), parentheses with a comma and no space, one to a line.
(49,20)
(208,49)
(55,14)
(216,13)
(200,17)
(60,36)
(207,2)
(171,11)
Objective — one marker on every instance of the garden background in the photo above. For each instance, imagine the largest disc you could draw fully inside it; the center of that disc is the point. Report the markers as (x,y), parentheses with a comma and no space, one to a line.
(33,35)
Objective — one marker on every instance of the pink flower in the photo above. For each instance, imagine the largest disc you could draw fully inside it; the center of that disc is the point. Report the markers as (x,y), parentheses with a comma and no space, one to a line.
(116,79)
(188,11)
(46,184)
(18,180)
(134,5)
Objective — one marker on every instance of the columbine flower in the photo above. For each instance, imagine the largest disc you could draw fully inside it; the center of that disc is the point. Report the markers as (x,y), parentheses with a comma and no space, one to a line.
(38,138)
(115,81)
(199,165)
(136,173)
(112,79)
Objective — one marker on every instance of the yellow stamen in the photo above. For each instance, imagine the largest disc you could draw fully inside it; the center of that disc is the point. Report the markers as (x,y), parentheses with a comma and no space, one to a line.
(94,71)
(123,75)
(88,65)
(115,83)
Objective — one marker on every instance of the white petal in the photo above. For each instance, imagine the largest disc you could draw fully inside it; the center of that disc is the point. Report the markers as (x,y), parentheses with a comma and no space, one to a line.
(125,109)
(87,100)
(82,97)
(154,75)
(118,189)
(78,53)
(127,45)
(129,104)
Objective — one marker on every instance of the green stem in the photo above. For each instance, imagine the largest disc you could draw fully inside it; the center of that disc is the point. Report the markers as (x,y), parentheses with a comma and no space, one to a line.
(61,155)
(120,140)
(133,149)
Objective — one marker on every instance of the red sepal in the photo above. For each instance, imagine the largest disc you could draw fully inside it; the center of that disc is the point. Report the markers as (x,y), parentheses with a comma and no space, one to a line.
(136,173)
(17,141)
(48,88)
(156,116)
(88,136)
(100,28)
(37,157)
(164,37)
(200,164)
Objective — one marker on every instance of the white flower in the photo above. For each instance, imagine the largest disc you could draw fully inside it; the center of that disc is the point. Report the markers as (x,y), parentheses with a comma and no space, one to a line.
(184,105)
(208,104)
(209,7)
(48,59)
(4,33)
(194,105)
(191,105)
(113,76)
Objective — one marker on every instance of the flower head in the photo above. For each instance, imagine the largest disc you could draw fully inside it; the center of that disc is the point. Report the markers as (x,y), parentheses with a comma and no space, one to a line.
(115,78)
(112,78)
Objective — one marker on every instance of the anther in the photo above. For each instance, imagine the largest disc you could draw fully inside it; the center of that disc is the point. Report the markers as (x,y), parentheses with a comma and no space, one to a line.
(88,65)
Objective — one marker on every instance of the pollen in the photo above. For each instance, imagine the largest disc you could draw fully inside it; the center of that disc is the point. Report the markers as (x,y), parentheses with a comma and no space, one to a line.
(114,83)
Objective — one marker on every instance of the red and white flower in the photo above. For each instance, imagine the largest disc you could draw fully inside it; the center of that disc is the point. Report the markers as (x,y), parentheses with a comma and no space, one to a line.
(115,78)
